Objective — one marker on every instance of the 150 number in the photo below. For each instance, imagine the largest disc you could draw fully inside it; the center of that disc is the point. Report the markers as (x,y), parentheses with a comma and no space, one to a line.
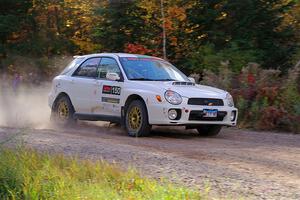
(116,90)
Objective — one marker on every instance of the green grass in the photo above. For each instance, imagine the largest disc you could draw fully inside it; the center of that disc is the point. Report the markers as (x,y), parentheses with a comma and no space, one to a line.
(27,174)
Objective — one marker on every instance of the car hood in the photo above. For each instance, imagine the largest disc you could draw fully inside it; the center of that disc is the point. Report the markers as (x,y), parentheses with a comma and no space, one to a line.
(200,91)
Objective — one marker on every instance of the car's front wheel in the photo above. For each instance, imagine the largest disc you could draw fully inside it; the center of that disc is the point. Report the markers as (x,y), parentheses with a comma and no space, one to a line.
(62,112)
(209,130)
(136,119)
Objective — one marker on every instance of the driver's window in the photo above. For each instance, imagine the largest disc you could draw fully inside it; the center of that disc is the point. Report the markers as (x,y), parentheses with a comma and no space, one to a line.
(108,65)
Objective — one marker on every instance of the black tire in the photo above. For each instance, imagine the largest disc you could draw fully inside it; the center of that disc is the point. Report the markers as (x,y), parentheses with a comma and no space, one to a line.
(143,128)
(56,116)
(209,130)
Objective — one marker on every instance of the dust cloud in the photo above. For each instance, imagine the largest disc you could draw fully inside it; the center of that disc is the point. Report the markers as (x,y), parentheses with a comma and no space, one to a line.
(24,93)
(25,108)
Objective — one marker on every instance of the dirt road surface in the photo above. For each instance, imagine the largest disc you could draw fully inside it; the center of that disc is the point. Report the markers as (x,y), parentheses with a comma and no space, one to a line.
(237,163)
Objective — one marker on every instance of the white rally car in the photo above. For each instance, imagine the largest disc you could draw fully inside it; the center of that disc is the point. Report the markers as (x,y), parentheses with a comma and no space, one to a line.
(137,91)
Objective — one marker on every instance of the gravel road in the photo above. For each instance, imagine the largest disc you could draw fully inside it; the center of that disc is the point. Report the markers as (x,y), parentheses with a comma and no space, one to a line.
(237,163)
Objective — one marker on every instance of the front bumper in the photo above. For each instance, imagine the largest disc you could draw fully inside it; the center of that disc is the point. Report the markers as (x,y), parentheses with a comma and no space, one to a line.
(190,115)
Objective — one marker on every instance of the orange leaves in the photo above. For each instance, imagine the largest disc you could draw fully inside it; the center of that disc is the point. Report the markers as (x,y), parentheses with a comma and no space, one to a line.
(176,12)
(175,19)
(136,49)
(175,16)
(173,40)
(271,93)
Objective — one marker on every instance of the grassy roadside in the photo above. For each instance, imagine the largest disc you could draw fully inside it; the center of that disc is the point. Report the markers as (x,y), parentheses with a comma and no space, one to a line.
(27,174)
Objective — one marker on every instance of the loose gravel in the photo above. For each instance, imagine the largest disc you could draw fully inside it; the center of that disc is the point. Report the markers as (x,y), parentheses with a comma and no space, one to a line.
(237,163)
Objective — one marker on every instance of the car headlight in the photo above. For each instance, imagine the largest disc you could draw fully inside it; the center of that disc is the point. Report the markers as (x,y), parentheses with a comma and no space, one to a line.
(229,100)
(173,97)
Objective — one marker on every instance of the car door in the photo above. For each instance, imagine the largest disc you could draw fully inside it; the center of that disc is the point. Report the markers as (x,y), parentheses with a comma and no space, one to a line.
(110,91)
(84,86)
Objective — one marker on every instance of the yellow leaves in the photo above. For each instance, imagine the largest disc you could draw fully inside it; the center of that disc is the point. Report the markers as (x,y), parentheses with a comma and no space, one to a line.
(291,18)
(150,6)
(189,30)
(202,36)
(68,23)
(127,32)
(222,16)
(192,28)
(85,46)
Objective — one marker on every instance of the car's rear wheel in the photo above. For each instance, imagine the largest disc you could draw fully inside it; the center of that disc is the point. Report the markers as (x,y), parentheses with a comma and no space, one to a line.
(209,130)
(136,119)
(62,112)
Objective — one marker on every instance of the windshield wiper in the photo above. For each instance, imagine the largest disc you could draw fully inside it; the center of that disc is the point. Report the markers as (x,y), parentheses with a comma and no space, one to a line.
(141,79)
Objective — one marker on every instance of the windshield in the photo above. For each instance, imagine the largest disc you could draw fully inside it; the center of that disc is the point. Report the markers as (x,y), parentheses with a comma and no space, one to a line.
(151,69)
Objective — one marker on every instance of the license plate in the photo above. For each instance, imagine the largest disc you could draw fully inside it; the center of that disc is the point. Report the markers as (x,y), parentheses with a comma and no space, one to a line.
(210,113)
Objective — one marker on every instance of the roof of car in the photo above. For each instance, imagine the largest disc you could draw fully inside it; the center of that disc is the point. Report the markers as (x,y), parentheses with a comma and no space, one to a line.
(121,55)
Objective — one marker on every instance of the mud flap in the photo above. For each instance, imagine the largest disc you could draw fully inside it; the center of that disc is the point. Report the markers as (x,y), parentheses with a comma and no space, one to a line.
(123,117)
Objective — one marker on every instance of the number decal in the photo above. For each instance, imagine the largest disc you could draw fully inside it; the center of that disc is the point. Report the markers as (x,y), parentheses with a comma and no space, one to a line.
(116,90)
(107,89)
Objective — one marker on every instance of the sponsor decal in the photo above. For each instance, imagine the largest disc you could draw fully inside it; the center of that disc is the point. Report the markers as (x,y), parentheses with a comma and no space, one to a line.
(115,90)
(110,100)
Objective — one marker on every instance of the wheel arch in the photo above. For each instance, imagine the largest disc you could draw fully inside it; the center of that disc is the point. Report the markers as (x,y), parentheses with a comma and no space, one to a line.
(133,97)
(61,94)
(130,99)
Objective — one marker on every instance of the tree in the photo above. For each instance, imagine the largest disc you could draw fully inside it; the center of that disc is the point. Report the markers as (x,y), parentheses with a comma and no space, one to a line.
(250,25)
(163,28)
(259,27)
(13,15)
(80,20)
(122,24)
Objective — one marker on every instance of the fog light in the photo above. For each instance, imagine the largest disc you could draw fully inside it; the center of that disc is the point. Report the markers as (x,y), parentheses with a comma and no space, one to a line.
(172,114)
(232,116)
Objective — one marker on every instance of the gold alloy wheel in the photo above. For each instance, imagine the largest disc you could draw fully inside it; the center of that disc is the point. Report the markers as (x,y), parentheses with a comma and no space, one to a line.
(63,110)
(135,118)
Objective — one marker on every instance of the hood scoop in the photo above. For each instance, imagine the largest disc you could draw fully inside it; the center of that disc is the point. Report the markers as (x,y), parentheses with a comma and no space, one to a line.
(182,83)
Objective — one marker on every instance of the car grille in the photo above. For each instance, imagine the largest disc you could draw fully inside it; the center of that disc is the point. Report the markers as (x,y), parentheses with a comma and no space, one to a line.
(197,115)
(205,102)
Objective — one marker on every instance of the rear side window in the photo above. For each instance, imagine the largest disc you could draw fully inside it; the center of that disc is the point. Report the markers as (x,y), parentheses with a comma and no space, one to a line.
(88,68)
(71,65)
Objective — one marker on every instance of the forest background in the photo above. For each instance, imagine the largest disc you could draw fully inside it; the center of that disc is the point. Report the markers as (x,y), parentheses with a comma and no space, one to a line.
(250,47)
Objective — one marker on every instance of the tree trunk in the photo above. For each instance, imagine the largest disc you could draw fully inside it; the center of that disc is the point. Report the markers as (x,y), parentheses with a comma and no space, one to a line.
(163,28)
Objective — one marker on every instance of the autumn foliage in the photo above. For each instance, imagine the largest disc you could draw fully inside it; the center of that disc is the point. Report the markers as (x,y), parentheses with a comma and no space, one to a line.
(267,99)
(136,49)
(221,40)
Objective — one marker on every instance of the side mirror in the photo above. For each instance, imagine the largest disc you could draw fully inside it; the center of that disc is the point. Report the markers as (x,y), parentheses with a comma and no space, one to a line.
(112,76)
(192,79)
